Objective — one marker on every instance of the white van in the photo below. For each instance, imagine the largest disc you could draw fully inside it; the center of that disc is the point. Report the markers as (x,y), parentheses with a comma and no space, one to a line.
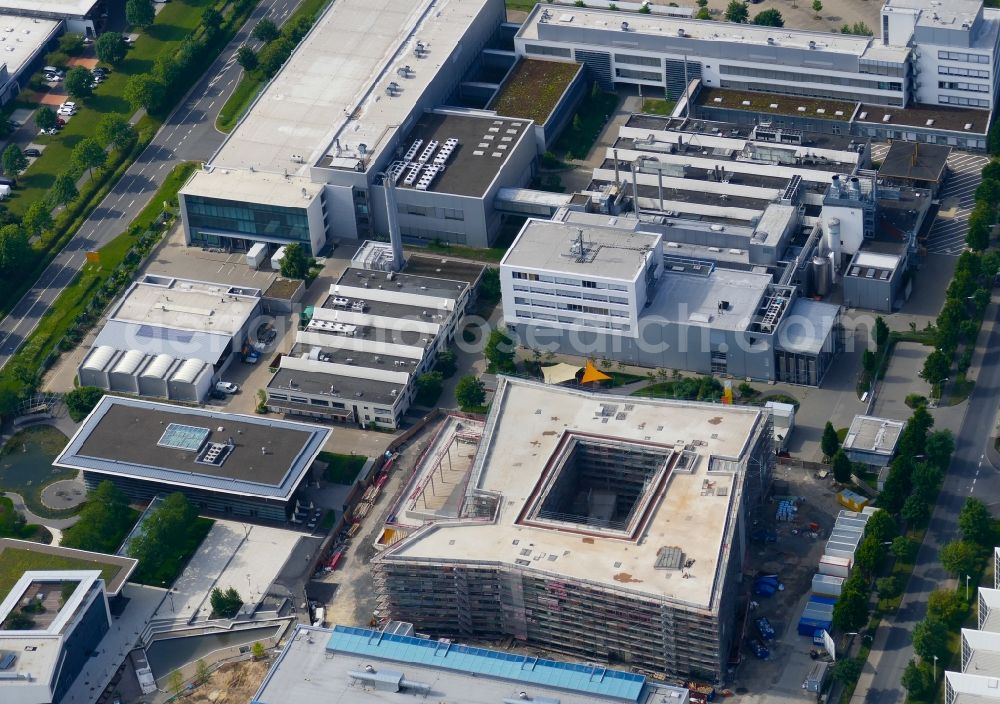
(4,192)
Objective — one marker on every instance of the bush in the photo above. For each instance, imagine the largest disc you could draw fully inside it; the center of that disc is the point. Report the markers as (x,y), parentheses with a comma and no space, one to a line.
(915,400)
(446,363)
(82,400)
(225,604)
(470,393)
(429,387)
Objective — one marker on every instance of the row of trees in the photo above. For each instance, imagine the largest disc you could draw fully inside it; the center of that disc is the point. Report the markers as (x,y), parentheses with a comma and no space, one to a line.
(947,609)
(104,522)
(987,208)
(278,45)
(168,537)
(739,11)
(966,299)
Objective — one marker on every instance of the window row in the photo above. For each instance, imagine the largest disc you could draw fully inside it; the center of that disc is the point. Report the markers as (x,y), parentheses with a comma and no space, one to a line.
(962,56)
(546,50)
(961,85)
(584,322)
(970,102)
(638,60)
(526,276)
(968,72)
(639,75)
(796,76)
(431,211)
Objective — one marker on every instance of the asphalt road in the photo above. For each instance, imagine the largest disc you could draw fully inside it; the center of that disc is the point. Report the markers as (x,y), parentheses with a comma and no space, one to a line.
(189,134)
(970,474)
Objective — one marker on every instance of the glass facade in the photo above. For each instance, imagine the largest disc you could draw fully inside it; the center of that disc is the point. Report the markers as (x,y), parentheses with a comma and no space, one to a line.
(235,218)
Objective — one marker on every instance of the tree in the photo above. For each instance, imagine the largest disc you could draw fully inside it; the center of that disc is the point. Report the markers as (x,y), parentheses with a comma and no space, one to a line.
(257,650)
(937,366)
(947,606)
(959,558)
(429,387)
(225,604)
(211,20)
(71,43)
(265,31)
(247,58)
(975,522)
(850,612)
(499,352)
(859,28)
(78,82)
(37,218)
(201,671)
(115,130)
(978,235)
(930,639)
(104,521)
(881,331)
(904,548)
(817,7)
(918,680)
(842,468)
(45,118)
(829,443)
(915,511)
(847,670)
(470,392)
(881,526)
(489,284)
(14,161)
(88,154)
(295,263)
(887,587)
(111,48)
(926,479)
(175,682)
(736,11)
(769,18)
(869,554)
(446,363)
(938,448)
(81,401)
(869,362)
(703,13)
(140,13)
(143,91)
(15,249)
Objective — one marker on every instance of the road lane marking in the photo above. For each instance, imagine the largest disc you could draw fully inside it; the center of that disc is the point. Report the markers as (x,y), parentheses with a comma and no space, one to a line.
(132,203)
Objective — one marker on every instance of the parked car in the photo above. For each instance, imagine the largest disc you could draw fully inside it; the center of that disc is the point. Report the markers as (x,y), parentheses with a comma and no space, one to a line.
(68,104)
(7,181)
(226,387)
(31,151)
(51,130)
(61,122)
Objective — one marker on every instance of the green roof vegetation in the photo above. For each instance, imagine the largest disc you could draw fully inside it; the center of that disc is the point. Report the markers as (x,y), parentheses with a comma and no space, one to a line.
(534,89)
(14,562)
(776,104)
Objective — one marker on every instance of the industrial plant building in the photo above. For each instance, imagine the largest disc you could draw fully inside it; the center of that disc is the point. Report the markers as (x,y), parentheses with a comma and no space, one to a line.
(171,338)
(620,537)
(359,355)
(347,665)
(224,463)
(42,650)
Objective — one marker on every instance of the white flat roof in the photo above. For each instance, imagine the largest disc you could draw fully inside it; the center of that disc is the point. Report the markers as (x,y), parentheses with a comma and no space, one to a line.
(255,187)
(186,305)
(962,688)
(526,426)
(981,652)
(334,85)
(691,299)
(70,8)
(611,252)
(876,260)
(664,26)
(21,38)
(989,609)
(84,579)
(871,434)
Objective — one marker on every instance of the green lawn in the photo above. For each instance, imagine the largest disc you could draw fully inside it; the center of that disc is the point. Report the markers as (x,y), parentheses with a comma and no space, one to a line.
(591,117)
(14,562)
(173,23)
(342,469)
(653,106)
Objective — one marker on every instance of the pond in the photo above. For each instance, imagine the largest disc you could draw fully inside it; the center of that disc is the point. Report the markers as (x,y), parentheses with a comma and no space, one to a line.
(26,462)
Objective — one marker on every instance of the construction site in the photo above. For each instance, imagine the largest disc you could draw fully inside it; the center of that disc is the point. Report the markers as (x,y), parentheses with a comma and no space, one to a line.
(601,527)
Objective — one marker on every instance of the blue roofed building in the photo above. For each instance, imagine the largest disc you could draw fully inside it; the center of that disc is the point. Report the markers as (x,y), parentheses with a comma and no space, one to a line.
(360,665)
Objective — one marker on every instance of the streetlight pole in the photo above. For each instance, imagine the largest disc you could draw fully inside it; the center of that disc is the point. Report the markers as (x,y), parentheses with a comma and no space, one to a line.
(935,667)
(966,587)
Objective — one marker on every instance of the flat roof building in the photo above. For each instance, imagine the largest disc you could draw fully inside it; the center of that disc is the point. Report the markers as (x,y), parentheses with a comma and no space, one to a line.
(50,622)
(363,666)
(115,570)
(360,101)
(872,440)
(224,462)
(915,165)
(358,357)
(171,338)
(874,280)
(649,587)
(79,16)
(23,42)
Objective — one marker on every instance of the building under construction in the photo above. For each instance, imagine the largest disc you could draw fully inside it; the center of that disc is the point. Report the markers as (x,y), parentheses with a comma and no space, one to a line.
(603,527)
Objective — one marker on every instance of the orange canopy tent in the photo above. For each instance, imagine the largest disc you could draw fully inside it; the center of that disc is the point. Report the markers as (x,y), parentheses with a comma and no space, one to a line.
(592,373)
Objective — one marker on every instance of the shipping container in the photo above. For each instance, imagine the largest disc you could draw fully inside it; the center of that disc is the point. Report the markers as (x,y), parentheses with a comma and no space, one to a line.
(816,678)
(845,550)
(852,500)
(276,259)
(835,566)
(827,585)
(808,626)
(256,255)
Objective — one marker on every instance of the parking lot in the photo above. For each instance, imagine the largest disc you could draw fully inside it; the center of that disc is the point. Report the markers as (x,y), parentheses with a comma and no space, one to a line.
(957,196)
(794,558)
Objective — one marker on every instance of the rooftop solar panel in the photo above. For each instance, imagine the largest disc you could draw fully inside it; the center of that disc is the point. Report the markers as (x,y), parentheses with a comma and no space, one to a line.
(183,437)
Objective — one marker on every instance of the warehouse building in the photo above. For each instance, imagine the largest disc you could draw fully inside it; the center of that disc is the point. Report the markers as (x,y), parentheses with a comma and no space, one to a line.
(171,338)
(78,16)
(657,491)
(872,440)
(44,650)
(23,44)
(350,141)
(224,463)
(358,358)
(874,280)
(347,665)
(608,290)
